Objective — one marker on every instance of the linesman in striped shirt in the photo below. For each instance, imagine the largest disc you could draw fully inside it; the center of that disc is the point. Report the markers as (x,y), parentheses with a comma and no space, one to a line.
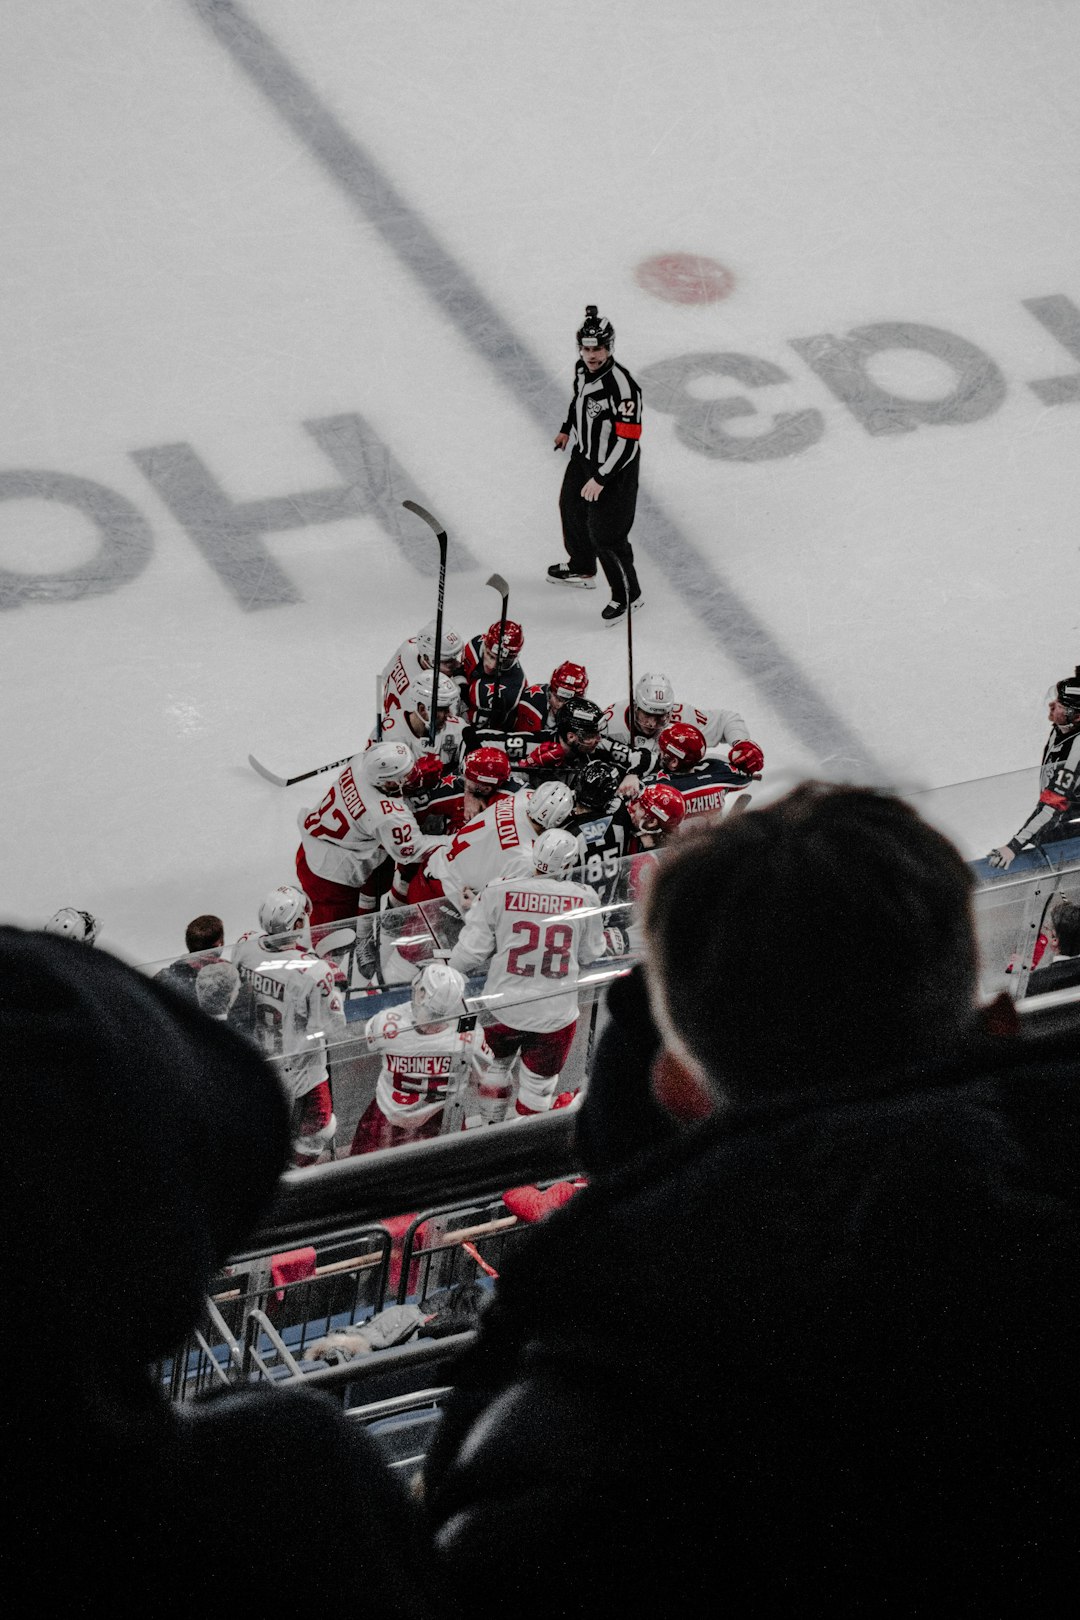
(599,489)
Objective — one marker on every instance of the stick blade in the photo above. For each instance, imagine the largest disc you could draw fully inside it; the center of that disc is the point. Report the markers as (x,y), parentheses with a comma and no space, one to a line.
(499,584)
(422,512)
(278,781)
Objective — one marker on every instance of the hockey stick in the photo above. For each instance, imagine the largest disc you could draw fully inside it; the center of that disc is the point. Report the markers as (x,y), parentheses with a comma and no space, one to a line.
(499,584)
(440,535)
(287,781)
(378,708)
(629,648)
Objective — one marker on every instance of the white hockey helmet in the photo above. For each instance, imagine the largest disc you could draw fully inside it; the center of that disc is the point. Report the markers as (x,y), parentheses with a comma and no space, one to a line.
(451,648)
(551,804)
(421,689)
(654,694)
(386,764)
(438,992)
(283,908)
(74,924)
(555,853)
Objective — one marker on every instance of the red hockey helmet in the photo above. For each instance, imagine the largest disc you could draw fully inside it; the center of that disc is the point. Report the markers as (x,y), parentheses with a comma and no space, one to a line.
(424,776)
(512,642)
(681,746)
(661,807)
(569,680)
(488,767)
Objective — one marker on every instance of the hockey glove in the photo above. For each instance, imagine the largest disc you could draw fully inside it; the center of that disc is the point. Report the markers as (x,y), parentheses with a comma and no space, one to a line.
(425,775)
(746,756)
(616,939)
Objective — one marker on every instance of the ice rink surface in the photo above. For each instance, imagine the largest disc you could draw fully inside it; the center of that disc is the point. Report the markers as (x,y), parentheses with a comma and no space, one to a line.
(270,268)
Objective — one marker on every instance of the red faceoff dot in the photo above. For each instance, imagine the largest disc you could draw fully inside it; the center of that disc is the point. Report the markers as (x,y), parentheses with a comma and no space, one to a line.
(684,278)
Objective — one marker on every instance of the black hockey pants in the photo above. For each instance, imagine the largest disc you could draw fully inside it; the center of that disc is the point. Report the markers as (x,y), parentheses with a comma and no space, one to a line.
(600,529)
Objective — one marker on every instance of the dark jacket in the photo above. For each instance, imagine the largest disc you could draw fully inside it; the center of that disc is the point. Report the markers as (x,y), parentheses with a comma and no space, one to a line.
(1062,974)
(820,1356)
(142,1142)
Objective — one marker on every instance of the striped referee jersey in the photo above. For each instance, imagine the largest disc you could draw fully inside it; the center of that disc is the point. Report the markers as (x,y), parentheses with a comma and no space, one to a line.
(605,418)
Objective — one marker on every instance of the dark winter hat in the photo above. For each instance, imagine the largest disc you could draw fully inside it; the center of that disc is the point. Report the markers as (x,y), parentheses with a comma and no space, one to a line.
(141,1143)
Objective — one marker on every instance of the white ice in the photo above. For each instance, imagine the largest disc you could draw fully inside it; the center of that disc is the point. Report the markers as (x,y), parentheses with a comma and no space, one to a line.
(184,263)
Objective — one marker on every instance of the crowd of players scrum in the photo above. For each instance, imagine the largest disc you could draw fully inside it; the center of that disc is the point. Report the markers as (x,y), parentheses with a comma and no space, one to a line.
(523,812)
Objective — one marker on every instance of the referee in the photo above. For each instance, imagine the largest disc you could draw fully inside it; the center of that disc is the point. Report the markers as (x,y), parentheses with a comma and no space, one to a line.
(599,489)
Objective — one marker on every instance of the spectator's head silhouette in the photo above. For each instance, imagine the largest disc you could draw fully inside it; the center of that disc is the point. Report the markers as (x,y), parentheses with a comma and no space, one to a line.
(823,936)
(149,1140)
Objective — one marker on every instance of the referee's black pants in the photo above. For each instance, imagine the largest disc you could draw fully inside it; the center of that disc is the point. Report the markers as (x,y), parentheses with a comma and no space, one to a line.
(600,530)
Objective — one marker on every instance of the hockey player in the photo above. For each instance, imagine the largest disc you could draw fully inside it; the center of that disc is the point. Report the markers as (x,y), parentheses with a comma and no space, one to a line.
(458,869)
(297,1011)
(653,698)
(577,739)
(656,812)
(74,924)
(1057,814)
(655,708)
(602,823)
(415,656)
(410,721)
(426,1059)
(540,705)
(493,681)
(703,780)
(534,934)
(445,809)
(361,825)
(445,805)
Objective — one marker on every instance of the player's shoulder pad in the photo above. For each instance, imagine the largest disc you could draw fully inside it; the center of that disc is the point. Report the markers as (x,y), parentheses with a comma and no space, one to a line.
(375,1029)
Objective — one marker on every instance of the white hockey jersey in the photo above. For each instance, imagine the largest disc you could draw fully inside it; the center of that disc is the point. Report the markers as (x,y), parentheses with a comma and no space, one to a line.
(536,934)
(347,836)
(718,725)
(398,677)
(725,726)
(298,1007)
(420,1071)
(481,849)
(448,744)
